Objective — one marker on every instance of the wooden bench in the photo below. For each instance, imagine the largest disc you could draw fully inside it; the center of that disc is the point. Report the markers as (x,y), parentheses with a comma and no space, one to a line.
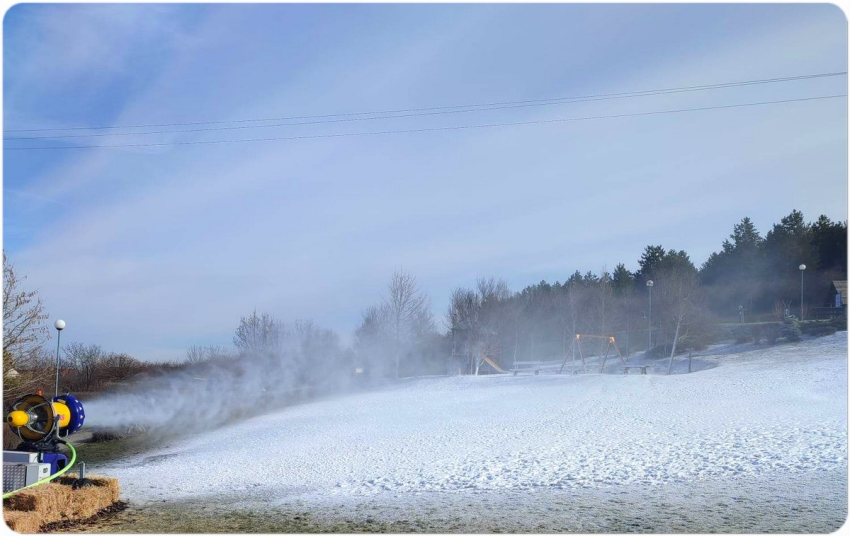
(641,367)
(527,366)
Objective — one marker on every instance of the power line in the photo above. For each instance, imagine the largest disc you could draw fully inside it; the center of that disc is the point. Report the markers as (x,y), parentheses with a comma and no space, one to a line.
(420,114)
(431,129)
(413,112)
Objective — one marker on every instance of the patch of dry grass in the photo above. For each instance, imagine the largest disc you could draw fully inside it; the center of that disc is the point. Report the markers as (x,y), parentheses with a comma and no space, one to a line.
(29,510)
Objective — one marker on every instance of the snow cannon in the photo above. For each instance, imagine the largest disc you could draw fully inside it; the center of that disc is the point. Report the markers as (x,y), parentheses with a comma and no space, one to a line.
(42,425)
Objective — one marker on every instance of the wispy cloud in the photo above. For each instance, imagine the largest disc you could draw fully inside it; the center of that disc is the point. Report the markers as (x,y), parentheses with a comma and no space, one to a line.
(158,249)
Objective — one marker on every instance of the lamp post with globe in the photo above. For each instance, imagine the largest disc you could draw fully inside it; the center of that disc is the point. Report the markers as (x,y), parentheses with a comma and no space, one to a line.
(59,325)
(802,271)
(649,284)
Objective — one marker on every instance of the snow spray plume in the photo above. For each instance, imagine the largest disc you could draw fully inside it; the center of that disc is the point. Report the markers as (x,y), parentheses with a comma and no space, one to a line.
(214,393)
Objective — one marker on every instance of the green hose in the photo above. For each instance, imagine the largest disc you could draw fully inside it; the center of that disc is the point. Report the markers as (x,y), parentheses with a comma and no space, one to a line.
(51,477)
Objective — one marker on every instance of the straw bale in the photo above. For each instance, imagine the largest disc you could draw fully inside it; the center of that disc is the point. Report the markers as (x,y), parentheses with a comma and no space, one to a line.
(24,522)
(46,499)
(53,502)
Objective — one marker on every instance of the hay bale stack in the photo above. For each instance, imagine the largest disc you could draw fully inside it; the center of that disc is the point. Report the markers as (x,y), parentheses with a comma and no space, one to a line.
(30,509)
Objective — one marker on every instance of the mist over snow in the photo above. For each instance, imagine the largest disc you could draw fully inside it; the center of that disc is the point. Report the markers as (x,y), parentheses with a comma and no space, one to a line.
(746,414)
(201,398)
(277,364)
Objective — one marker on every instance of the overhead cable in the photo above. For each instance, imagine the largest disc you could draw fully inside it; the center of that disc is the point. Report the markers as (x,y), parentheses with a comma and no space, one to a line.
(408,112)
(431,129)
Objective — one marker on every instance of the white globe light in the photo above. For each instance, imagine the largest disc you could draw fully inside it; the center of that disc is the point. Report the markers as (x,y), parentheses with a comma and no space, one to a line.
(802,267)
(649,283)
(60,325)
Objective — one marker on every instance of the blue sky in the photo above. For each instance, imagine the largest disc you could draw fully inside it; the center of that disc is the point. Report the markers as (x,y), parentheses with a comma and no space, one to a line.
(153,249)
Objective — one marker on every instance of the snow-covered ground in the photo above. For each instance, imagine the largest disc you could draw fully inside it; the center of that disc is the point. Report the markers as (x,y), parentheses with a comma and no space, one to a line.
(763,417)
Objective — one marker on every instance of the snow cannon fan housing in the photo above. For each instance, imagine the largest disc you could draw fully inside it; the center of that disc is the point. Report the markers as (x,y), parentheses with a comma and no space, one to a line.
(40,423)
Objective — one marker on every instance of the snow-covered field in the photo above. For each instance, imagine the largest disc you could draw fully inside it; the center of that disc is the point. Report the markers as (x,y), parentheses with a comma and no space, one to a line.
(756,427)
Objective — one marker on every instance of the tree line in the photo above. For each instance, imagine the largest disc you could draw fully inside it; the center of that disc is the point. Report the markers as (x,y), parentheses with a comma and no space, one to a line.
(667,306)
(754,271)
(400,336)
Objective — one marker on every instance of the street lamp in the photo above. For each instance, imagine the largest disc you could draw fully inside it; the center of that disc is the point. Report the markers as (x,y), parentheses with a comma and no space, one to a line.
(802,271)
(59,325)
(649,284)
(741,313)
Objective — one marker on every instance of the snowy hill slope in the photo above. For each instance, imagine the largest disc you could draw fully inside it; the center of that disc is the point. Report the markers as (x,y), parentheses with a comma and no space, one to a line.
(754,413)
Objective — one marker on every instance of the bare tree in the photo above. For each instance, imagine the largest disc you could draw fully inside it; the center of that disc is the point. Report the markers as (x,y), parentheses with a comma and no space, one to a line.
(203,354)
(678,294)
(217,353)
(479,320)
(407,312)
(195,354)
(373,323)
(86,360)
(400,326)
(259,335)
(464,308)
(492,289)
(39,371)
(371,337)
(406,305)
(781,309)
(118,367)
(317,355)
(492,316)
(463,317)
(24,331)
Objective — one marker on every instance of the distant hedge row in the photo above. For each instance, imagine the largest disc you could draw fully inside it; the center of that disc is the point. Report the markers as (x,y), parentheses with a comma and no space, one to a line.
(790,329)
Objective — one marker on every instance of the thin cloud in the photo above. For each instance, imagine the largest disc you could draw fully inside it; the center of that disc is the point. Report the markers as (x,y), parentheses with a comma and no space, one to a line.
(160,250)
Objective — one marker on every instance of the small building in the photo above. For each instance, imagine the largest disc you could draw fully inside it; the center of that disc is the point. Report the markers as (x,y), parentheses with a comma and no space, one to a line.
(834,304)
(838,294)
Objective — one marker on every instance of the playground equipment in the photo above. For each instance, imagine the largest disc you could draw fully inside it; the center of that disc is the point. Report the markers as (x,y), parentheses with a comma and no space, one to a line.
(42,425)
(576,345)
(519,366)
(493,364)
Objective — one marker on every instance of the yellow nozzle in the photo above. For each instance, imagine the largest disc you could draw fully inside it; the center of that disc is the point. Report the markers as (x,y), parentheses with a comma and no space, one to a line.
(18,418)
(63,414)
